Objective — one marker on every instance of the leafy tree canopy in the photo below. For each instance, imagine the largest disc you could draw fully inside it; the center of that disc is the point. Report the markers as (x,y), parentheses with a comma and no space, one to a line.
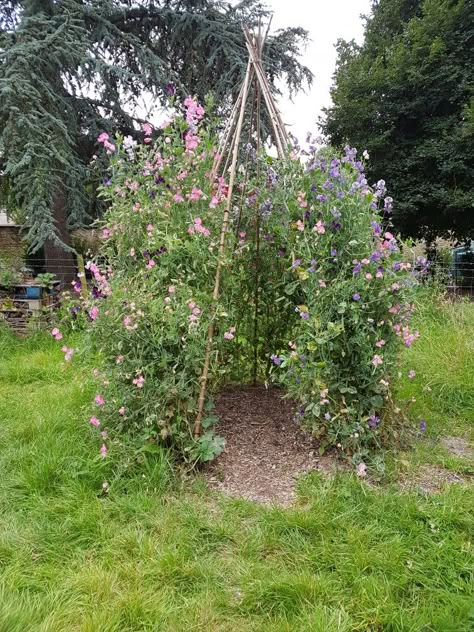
(71,69)
(407,96)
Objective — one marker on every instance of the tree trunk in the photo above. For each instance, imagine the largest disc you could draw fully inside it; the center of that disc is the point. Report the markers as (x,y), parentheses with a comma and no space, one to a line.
(59,261)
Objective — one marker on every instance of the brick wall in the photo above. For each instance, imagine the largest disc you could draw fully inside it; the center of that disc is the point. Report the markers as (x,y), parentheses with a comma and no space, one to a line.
(12,247)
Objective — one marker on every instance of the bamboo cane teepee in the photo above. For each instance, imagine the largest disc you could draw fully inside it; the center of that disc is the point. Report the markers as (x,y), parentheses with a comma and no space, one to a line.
(256,83)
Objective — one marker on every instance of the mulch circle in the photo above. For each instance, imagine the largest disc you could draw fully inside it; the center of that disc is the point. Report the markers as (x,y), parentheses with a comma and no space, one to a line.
(265,450)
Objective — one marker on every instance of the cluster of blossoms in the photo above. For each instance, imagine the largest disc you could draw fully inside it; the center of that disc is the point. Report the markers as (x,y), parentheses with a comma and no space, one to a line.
(327,287)
(348,342)
(197,227)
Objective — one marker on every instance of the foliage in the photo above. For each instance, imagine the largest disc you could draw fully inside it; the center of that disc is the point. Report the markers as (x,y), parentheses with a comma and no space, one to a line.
(147,554)
(71,69)
(9,274)
(342,294)
(406,95)
(311,282)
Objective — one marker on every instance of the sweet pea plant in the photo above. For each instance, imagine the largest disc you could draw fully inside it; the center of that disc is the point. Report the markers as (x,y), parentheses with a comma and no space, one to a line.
(314,292)
(343,296)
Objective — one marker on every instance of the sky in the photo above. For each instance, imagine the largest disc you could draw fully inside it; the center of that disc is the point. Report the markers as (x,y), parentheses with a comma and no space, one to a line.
(326,21)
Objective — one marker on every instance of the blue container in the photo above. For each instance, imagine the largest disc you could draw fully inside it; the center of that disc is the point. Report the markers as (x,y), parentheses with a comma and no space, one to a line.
(33,292)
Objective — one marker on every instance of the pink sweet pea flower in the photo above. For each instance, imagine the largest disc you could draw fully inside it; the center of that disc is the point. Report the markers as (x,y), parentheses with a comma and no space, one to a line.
(151,264)
(103,451)
(68,353)
(103,137)
(99,400)
(139,381)
(380,343)
(319,228)
(94,313)
(377,360)
(94,421)
(147,129)
(56,334)
(195,194)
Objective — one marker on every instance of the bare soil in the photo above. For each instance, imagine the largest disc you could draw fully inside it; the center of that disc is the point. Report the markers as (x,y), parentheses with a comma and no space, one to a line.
(458,446)
(265,451)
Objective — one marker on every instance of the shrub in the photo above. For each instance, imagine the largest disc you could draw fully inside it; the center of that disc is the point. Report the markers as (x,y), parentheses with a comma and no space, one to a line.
(312,289)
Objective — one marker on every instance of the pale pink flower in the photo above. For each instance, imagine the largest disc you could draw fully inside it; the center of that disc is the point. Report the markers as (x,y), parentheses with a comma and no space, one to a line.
(368,276)
(195,194)
(139,381)
(191,305)
(132,252)
(167,300)
(171,289)
(322,283)
(103,137)
(228,335)
(103,434)
(94,421)
(177,197)
(109,146)
(380,343)
(121,410)
(103,451)
(56,334)
(411,374)
(319,228)
(147,129)
(68,353)
(120,359)
(377,360)
(300,225)
(149,228)
(151,264)
(106,233)
(94,313)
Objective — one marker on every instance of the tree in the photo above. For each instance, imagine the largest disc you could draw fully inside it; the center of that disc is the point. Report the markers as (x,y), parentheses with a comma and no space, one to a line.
(407,96)
(71,69)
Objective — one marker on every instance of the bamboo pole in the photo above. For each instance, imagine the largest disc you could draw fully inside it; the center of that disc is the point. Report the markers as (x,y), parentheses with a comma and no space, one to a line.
(82,272)
(225,221)
(279,130)
(257,255)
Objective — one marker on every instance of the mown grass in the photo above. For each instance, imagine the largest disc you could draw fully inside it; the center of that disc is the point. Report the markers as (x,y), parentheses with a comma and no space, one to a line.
(157,554)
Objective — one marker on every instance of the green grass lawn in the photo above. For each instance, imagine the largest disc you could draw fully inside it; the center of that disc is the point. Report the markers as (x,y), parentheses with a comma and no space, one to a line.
(158,554)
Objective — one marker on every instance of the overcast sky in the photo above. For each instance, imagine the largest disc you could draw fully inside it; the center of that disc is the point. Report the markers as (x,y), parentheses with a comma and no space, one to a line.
(326,22)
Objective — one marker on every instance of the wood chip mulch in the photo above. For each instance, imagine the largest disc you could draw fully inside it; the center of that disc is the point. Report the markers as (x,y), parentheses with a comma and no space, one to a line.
(265,449)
